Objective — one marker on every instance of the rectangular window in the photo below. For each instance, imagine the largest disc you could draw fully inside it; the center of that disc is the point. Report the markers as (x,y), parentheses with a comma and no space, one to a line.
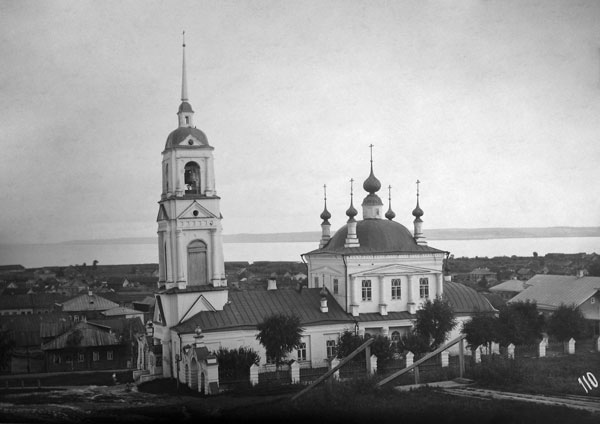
(396,288)
(331,349)
(316,279)
(302,352)
(96,356)
(56,358)
(76,318)
(366,290)
(81,357)
(424,288)
(336,286)
(109,355)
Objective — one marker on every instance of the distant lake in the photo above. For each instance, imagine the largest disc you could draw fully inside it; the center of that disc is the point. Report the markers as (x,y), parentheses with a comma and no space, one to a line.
(39,255)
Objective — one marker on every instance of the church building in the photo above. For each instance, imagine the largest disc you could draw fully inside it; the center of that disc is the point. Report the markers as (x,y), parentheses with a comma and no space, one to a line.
(371,276)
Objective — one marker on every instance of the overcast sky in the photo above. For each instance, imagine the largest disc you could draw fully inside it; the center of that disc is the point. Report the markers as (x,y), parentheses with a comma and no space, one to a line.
(493,105)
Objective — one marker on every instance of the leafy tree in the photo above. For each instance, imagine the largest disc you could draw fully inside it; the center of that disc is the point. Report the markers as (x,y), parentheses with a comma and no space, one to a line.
(567,322)
(7,344)
(481,329)
(520,323)
(434,321)
(483,283)
(280,334)
(594,269)
(415,343)
(348,342)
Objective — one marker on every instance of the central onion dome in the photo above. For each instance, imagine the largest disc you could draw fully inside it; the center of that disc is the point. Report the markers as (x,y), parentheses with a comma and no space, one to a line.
(377,235)
(371,184)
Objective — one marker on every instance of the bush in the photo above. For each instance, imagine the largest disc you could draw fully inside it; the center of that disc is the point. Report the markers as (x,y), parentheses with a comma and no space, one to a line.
(520,324)
(567,322)
(234,364)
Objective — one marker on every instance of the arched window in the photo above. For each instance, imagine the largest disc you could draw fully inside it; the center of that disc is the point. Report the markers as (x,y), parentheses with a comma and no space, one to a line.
(166,177)
(192,178)
(197,263)
(395,336)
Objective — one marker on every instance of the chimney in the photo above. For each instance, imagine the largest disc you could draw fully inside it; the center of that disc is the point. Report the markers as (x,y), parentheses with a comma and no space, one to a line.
(272,283)
(89,291)
(580,273)
(323,293)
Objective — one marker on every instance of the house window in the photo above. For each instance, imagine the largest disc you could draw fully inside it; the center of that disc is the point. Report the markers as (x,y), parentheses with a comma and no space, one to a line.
(331,349)
(76,318)
(96,356)
(424,288)
(396,289)
(56,358)
(593,300)
(366,290)
(81,357)
(316,279)
(395,336)
(336,286)
(302,352)
(109,355)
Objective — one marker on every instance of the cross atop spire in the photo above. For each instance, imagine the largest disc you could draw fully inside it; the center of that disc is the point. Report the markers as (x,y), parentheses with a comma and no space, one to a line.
(371,147)
(418,182)
(351,187)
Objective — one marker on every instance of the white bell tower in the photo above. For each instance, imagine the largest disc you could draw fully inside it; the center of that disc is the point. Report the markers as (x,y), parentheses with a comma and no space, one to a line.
(190,247)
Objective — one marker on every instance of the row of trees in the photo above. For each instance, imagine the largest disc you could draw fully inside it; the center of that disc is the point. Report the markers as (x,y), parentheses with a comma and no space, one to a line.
(521,324)
(518,323)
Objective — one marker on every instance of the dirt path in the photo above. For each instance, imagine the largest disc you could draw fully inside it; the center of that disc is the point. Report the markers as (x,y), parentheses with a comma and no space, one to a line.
(590,404)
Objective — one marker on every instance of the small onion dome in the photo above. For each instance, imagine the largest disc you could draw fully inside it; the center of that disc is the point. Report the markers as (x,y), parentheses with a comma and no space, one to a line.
(351,212)
(390,214)
(417,212)
(323,292)
(325,215)
(372,184)
(185,107)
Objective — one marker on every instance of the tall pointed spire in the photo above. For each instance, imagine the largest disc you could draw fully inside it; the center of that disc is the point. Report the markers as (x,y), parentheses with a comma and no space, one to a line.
(390,213)
(184,94)
(185,113)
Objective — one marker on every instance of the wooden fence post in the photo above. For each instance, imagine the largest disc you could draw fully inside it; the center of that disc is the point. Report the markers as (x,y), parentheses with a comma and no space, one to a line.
(542,349)
(511,351)
(571,346)
(444,358)
(373,361)
(254,374)
(295,371)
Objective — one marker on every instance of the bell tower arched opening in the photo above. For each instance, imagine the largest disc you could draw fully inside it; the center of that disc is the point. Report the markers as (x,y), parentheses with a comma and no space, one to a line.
(197,263)
(192,178)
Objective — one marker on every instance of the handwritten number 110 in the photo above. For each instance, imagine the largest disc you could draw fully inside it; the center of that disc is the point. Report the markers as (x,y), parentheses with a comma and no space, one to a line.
(588,382)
